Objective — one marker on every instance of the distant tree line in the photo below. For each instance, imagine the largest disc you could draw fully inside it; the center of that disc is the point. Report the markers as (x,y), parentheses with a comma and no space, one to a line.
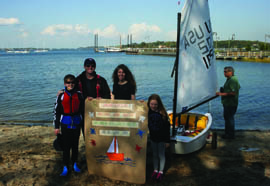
(239,44)
(157,44)
(242,44)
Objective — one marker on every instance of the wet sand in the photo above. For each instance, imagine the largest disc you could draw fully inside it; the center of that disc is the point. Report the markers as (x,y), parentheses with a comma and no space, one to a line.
(27,157)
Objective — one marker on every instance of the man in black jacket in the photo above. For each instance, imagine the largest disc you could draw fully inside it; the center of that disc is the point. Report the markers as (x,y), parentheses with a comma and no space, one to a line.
(92,85)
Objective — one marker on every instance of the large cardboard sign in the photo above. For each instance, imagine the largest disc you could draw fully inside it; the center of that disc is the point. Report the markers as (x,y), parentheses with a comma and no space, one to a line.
(116,139)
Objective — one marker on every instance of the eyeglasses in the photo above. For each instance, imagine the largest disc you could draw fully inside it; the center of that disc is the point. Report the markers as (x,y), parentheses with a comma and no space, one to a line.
(70,82)
(225,71)
(93,66)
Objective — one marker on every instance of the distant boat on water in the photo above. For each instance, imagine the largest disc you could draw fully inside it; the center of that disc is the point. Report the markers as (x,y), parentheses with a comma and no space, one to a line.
(18,51)
(113,49)
(97,50)
(40,50)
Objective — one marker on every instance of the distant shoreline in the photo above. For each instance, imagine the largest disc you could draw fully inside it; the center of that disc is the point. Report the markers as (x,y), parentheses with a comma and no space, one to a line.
(172,54)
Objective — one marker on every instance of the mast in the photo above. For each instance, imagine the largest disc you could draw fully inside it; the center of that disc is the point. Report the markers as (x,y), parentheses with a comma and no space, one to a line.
(175,68)
(120,42)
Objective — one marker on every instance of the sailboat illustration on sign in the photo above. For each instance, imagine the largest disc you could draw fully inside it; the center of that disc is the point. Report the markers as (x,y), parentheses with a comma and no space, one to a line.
(113,153)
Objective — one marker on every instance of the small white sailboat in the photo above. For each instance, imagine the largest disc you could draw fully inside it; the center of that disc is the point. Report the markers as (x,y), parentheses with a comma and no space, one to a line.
(40,50)
(113,151)
(195,78)
(100,51)
(113,49)
(18,51)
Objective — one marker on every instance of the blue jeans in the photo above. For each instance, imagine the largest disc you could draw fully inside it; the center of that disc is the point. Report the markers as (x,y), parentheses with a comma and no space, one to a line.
(158,155)
(228,114)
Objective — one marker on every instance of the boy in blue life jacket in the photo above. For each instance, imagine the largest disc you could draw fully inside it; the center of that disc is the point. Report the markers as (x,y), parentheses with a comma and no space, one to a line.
(68,115)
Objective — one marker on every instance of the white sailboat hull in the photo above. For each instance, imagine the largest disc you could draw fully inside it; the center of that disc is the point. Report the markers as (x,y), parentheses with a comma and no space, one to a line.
(114,50)
(185,144)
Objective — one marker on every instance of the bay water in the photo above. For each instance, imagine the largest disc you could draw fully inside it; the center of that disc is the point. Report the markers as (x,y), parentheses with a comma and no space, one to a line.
(29,84)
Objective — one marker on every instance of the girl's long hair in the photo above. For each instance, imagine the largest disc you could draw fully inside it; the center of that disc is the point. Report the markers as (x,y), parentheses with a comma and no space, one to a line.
(128,75)
(161,107)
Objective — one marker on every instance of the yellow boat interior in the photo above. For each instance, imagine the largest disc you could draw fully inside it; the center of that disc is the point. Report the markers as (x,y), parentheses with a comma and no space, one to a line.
(190,123)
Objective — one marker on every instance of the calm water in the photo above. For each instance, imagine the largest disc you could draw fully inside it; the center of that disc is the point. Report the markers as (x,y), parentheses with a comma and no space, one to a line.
(29,83)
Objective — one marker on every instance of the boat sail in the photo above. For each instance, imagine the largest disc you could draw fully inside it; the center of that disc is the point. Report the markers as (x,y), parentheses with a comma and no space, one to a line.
(197,71)
(113,151)
(195,74)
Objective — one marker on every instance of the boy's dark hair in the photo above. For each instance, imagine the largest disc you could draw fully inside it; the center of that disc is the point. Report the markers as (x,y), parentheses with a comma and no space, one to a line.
(69,77)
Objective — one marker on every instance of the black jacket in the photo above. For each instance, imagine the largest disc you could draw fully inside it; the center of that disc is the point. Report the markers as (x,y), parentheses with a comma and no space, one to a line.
(92,91)
(159,127)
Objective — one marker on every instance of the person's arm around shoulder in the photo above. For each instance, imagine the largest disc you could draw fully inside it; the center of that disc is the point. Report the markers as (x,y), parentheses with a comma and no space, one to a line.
(60,92)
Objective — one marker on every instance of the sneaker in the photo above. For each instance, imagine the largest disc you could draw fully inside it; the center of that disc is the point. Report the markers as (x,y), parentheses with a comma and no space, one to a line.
(154,174)
(65,171)
(159,177)
(76,168)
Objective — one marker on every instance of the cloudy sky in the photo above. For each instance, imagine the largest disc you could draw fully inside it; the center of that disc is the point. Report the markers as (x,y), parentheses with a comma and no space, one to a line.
(73,23)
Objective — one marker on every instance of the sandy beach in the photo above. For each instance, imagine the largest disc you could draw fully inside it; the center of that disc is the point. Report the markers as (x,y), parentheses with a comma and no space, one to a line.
(28,158)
